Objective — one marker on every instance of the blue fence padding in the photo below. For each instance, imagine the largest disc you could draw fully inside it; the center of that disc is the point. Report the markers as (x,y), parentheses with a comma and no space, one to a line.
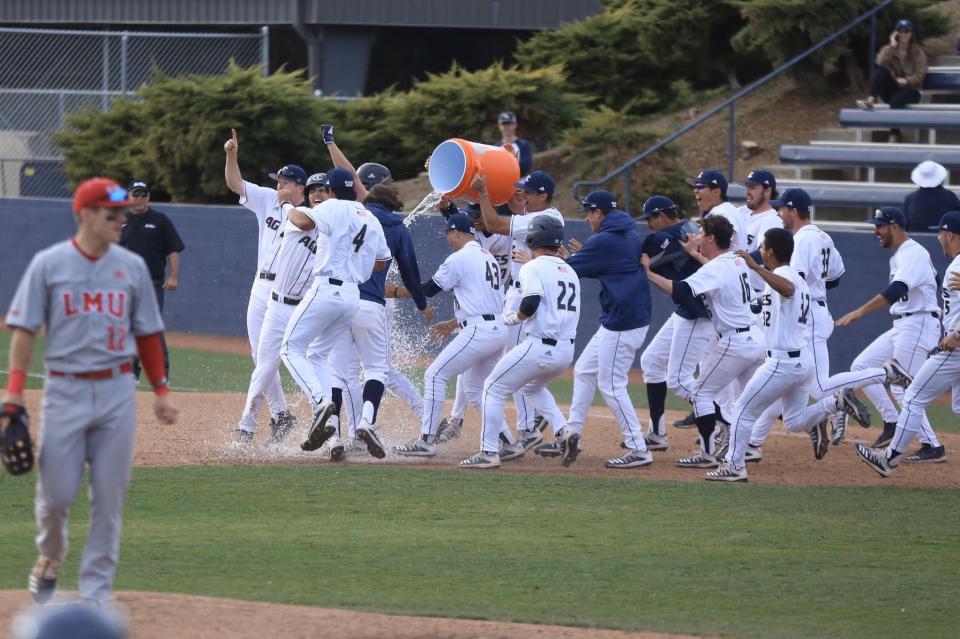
(218,265)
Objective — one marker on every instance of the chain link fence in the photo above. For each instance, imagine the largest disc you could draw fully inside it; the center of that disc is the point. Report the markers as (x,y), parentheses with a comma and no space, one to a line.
(48,74)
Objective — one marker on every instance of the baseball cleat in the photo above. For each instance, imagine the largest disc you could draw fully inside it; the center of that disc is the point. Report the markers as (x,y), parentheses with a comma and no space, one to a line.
(528,439)
(481,461)
(849,403)
(753,454)
(320,431)
(569,442)
(927,454)
(42,582)
(889,430)
(655,442)
(280,426)
(700,460)
(540,422)
(367,433)
(244,436)
(417,448)
(876,458)
(687,422)
(548,450)
(820,440)
(838,427)
(897,375)
(450,428)
(726,472)
(630,459)
(509,452)
(337,449)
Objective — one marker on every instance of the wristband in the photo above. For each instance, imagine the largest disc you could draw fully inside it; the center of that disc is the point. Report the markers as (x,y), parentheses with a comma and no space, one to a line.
(16,381)
(160,387)
(485,194)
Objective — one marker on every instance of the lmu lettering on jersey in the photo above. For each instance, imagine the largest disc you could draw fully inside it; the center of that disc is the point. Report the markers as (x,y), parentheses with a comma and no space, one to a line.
(99,302)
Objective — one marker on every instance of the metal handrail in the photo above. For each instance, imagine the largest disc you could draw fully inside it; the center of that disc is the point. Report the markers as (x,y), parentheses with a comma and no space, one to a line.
(730,103)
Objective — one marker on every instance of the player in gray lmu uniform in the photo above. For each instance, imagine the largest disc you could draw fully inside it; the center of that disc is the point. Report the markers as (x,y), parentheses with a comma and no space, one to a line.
(937,375)
(96,301)
(723,285)
(356,247)
(912,300)
(265,204)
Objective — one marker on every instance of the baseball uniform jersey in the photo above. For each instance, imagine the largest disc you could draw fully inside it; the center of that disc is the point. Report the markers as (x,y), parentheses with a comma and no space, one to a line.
(733,215)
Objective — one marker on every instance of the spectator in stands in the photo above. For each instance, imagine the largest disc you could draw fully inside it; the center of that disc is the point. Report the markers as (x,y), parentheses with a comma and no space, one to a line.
(901,68)
(507,123)
(924,206)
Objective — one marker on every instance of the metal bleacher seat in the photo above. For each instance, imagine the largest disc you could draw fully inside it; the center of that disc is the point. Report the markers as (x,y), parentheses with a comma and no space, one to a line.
(887,118)
(842,194)
(903,156)
(942,79)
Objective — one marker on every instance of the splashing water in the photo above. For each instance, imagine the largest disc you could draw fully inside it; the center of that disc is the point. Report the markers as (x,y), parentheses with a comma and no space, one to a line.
(431,200)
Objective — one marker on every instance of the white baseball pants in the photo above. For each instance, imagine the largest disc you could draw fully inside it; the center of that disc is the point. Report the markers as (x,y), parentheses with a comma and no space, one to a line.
(473,352)
(516,335)
(673,353)
(527,368)
(939,373)
(256,311)
(732,358)
(605,363)
(325,312)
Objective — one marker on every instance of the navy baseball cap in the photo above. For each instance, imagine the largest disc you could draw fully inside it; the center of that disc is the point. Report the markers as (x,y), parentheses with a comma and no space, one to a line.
(761,177)
(950,221)
(598,200)
(139,186)
(507,117)
(462,223)
(291,172)
(888,215)
(339,178)
(795,199)
(537,182)
(904,25)
(711,178)
(656,204)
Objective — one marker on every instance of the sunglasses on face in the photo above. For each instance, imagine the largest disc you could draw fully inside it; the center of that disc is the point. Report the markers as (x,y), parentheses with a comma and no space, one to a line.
(697,186)
(904,31)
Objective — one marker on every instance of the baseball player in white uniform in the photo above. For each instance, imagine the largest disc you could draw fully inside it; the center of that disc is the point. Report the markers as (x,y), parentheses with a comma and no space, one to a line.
(710,192)
(538,189)
(671,357)
(549,311)
(294,274)
(760,216)
(912,301)
(724,285)
(265,204)
(96,302)
(784,375)
(473,275)
(356,246)
(937,374)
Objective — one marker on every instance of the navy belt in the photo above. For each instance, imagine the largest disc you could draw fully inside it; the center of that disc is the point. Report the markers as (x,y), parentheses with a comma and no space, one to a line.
(789,353)
(485,317)
(550,342)
(291,301)
(264,275)
(934,314)
(821,303)
(335,281)
(734,330)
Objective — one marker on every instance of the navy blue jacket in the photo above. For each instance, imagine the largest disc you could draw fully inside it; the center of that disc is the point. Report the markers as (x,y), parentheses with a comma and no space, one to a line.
(924,207)
(401,247)
(612,255)
(669,260)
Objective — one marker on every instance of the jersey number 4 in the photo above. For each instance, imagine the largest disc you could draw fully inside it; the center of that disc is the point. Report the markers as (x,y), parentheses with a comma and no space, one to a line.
(564,287)
(358,239)
(493,276)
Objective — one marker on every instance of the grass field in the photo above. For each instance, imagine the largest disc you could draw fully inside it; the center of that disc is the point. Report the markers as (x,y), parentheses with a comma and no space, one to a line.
(204,371)
(676,557)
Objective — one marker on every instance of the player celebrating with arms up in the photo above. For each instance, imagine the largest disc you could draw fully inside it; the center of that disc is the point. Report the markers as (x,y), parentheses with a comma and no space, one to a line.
(98,306)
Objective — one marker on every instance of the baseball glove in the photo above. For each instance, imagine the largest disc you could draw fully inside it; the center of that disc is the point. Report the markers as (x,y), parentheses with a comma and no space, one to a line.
(16,449)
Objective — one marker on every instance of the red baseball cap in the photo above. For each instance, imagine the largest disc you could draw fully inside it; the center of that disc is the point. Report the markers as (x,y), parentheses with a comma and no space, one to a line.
(99,191)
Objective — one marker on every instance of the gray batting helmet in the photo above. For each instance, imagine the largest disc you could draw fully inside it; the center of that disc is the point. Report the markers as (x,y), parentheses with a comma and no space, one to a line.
(545,231)
(317,179)
(372,174)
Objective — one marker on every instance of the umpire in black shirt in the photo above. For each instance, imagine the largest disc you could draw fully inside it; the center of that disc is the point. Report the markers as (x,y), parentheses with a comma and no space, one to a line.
(151,235)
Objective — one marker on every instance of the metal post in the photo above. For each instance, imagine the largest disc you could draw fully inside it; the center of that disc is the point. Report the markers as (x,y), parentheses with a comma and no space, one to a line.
(873,45)
(731,136)
(124,40)
(265,50)
(105,81)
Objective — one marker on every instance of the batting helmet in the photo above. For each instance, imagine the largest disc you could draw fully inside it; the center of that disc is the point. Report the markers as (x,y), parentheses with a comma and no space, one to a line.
(317,179)
(372,174)
(545,231)
(657,204)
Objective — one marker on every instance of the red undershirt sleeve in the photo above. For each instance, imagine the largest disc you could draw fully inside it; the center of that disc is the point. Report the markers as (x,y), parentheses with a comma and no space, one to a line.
(150,349)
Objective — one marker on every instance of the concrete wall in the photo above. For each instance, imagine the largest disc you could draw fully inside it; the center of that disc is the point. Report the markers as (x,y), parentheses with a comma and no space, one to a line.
(219,263)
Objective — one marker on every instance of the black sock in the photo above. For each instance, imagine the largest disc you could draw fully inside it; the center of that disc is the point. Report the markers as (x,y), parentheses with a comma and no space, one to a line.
(719,413)
(894,453)
(336,396)
(706,425)
(373,393)
(657,400)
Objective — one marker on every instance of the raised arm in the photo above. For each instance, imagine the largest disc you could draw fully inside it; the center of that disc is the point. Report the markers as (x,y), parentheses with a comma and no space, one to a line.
(781,285)
(491,219)
(231,169)
(340,160)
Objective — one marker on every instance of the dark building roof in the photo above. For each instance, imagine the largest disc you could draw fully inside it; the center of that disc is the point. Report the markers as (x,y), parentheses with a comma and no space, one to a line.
(469,14)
